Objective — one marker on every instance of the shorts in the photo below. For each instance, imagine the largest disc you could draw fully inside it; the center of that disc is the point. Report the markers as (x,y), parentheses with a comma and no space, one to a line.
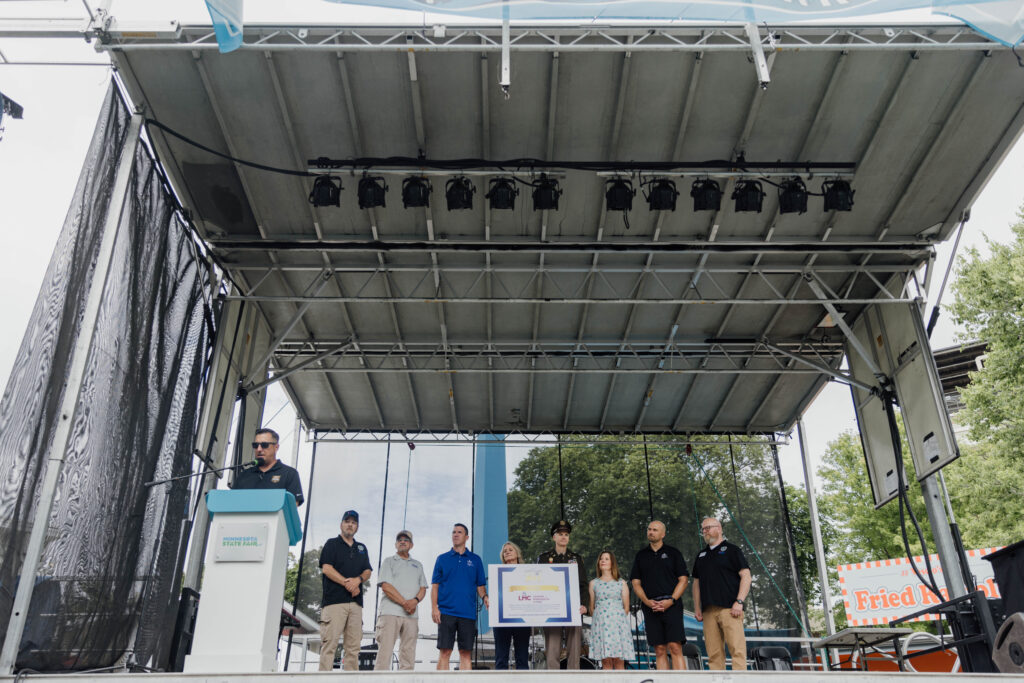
(456,629)
(665,627)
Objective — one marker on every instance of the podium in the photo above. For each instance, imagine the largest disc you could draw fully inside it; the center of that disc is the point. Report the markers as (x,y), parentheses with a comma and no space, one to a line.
(243,581)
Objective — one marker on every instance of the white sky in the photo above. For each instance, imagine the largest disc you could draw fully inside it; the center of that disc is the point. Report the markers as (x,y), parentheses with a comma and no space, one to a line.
(40,158)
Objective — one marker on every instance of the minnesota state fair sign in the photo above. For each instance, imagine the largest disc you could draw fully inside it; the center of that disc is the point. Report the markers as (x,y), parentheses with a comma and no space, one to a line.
(877,592)
(240,542)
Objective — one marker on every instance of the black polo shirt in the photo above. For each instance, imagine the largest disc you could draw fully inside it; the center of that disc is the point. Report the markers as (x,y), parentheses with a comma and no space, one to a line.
(280,476)
(719,573)
(659,571)
(348,560)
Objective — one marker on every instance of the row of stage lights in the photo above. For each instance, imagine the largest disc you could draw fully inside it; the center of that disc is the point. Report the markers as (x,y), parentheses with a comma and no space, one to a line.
(660,193)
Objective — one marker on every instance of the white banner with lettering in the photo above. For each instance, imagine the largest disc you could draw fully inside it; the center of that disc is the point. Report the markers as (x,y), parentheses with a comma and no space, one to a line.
(878,592)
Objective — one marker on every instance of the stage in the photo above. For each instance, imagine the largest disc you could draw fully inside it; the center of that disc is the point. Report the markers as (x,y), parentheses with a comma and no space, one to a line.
(493,676)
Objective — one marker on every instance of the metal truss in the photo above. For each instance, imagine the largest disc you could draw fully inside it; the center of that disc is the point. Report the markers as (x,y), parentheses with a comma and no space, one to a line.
(574,285)
(533,357)
(524,38)
(514,436)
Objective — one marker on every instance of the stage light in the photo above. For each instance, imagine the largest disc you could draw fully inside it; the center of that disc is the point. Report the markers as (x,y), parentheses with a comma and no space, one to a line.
(619,195)
(502,194)
(838,195)
(459,193)
(662,195)
(707,195)
(793,196)
(371,191)
(748,195)
(415,192)
(325,191)
(545,194)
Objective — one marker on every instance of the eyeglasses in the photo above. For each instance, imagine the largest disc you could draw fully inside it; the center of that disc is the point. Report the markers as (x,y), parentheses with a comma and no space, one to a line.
(256,445)
(709,527)
(404,539)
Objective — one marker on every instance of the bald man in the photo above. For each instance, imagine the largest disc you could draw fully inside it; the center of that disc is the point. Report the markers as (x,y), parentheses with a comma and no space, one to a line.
(659,578)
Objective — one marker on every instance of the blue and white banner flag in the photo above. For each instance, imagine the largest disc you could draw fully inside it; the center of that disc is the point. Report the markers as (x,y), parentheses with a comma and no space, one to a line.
(227,23)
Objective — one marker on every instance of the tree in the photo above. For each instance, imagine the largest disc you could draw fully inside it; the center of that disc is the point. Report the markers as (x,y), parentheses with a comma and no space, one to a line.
(309,598)
(605,489)
(989,304)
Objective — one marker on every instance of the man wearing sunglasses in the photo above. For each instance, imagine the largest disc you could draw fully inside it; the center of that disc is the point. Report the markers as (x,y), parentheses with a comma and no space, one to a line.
(269,472)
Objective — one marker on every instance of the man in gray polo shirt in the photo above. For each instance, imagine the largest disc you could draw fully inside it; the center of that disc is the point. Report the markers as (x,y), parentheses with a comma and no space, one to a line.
(404,584)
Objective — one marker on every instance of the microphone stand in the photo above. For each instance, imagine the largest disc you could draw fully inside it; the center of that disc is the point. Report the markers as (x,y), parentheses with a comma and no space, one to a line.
(239,467)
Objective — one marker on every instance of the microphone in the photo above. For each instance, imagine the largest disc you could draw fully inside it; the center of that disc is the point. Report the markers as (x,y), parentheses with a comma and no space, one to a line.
(251,464)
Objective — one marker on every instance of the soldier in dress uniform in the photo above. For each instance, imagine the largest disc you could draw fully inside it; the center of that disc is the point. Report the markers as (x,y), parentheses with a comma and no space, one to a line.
(561,554)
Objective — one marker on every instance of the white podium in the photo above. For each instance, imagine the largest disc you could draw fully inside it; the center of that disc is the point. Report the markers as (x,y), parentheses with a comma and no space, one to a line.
(243,581)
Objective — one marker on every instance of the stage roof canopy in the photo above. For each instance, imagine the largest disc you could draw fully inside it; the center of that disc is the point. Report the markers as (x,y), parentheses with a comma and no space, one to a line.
(582,318)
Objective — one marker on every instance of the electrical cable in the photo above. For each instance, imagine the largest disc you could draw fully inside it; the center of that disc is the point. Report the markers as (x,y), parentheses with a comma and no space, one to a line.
(380,547)
(894,434)
(561,491)
(750,545)
(647,464)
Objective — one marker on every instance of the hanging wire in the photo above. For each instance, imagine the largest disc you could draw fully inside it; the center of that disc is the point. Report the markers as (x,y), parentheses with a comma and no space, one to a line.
(302,553)
(647,464)
(408,473)
(739,511)
(561,488)
(750,545)
(383,509)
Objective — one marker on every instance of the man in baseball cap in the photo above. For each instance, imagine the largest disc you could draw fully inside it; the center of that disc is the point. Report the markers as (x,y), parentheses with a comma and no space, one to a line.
(345,566)
(404,586)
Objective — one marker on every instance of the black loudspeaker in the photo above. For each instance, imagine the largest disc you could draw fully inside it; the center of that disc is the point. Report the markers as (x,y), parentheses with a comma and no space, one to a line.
(1008,566)
(1008,653)
(184,629)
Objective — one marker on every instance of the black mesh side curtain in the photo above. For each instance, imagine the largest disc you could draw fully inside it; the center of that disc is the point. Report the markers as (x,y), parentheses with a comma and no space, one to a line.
(107,580)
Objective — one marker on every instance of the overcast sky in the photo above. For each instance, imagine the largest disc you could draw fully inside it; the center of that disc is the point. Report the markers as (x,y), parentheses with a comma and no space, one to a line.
(40,158)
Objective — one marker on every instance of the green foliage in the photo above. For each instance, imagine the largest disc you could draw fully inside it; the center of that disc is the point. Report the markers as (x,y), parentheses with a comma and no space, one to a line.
(989,305)
(986,489)
(311,589)
(606,500)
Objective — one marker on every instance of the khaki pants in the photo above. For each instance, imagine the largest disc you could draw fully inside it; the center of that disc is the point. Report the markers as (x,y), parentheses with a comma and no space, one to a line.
(345,619)
(389,629)
(553,646)
(719,625)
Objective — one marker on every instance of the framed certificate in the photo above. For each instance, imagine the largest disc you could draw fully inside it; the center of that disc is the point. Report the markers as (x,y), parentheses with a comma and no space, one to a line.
(534,595)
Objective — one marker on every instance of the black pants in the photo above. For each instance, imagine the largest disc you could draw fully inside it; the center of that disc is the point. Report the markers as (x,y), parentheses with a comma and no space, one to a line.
(504,638)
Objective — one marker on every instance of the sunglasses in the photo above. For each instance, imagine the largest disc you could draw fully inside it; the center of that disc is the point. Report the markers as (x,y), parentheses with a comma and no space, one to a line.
(256,445)
(404,539)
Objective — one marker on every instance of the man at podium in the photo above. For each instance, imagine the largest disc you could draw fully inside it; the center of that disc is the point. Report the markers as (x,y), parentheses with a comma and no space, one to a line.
(269,472)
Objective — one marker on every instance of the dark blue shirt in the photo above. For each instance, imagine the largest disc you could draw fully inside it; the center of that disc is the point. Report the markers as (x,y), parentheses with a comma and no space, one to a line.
(280,476)
(457,577)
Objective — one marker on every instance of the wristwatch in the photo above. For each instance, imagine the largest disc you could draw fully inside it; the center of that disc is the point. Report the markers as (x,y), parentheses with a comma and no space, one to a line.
(739,602)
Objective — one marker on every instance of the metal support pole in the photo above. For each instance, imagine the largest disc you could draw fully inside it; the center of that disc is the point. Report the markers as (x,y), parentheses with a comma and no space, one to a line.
(819,546)
(944,543)
(62,435)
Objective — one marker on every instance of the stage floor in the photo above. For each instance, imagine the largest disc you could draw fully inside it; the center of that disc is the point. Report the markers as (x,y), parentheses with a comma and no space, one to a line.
(567,676)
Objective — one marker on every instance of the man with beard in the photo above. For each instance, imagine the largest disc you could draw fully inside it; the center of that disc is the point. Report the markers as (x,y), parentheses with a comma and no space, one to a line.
(269,473)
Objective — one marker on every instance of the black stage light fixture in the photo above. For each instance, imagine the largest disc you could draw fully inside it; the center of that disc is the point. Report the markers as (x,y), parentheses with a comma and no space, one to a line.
(748,195)
(707,195)
(459,193)
(793,196)
(662,195)
(371,191)
(545,194)
(838,195)
(619,194)
(502,194)
(415,192)
(325,191)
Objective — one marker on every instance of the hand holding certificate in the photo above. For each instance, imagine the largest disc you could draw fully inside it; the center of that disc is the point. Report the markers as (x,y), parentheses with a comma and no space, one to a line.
(534,595)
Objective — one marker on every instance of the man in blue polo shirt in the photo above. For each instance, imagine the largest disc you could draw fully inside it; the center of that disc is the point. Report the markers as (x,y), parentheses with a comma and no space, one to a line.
(458,579)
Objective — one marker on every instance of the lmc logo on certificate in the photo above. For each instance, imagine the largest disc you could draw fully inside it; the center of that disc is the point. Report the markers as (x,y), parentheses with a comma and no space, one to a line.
(534,595)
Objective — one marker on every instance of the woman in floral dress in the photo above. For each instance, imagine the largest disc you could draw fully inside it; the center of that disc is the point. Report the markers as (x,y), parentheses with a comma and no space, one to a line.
(610,637)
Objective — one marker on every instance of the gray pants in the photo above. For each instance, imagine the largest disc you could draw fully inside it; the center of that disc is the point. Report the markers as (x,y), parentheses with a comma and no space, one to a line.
(553,646)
